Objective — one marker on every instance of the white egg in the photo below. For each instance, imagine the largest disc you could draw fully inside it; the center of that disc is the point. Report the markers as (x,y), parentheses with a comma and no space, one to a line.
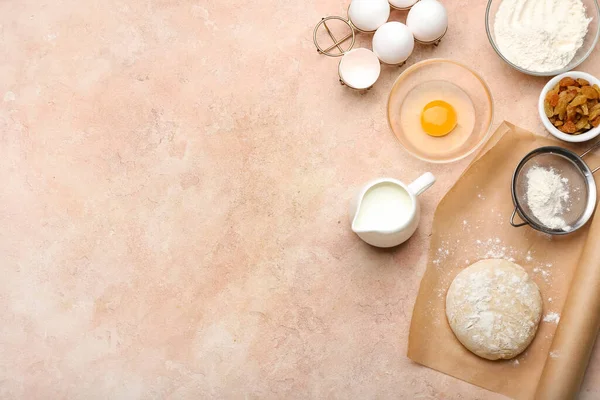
(368,15)
(402,3)
(393,43)
(428,20)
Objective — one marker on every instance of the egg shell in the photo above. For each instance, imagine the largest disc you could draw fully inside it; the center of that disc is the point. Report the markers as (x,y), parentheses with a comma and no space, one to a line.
(368,15)
(359,68)
(402,3)
(393,42)
(428,20)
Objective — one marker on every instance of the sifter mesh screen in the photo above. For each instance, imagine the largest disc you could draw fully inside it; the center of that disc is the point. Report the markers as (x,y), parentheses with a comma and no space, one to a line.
(575,214)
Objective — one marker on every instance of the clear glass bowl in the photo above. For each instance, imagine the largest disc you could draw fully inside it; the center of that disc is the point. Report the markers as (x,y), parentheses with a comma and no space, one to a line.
(440,70)
(593,10)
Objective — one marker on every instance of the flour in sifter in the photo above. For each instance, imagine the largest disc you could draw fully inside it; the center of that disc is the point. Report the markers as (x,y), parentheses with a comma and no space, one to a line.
(548,196)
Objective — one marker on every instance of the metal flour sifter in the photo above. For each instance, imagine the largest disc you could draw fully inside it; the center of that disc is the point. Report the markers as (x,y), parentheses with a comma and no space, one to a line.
(581,187)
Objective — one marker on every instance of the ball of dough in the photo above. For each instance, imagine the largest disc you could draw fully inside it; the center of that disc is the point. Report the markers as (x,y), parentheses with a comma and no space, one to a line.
(494,309)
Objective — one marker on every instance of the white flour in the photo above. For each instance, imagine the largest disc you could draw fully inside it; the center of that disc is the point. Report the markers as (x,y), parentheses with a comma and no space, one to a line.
(547,196)
(552,317)
(540,35)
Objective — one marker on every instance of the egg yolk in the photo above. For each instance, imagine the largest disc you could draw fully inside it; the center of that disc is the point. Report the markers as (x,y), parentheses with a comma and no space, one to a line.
(438,118)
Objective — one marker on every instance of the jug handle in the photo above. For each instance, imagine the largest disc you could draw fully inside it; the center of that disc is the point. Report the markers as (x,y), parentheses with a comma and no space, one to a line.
(422,183)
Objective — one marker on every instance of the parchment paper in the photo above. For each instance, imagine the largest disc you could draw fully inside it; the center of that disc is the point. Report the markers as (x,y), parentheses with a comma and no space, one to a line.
(471,223)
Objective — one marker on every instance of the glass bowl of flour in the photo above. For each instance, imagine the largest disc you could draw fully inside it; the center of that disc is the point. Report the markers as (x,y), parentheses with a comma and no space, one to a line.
(543,37)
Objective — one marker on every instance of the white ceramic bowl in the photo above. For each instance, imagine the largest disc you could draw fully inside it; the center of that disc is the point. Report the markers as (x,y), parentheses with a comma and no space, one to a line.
(589,135)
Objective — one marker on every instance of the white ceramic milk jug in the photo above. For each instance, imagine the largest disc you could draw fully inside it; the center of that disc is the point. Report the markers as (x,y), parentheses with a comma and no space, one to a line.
(386,212)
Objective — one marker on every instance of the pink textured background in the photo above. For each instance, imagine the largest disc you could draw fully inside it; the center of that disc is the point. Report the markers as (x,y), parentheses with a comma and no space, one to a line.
(175,180)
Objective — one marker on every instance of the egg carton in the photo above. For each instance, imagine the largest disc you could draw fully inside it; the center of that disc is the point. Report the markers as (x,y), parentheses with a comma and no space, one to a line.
(393,41)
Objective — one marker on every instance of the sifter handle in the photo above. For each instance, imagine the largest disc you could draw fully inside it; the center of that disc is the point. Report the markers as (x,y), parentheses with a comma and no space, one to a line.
(594,146)
(512,220)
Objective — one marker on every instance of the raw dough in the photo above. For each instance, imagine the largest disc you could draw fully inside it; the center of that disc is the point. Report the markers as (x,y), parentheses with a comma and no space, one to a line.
(494,308)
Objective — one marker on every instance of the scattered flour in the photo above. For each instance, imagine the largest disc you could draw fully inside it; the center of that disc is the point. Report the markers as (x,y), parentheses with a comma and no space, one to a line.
(544,271)
(443,252)
(552,317)
(493,248)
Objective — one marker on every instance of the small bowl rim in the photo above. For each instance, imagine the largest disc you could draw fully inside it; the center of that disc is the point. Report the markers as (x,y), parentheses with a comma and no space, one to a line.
(584,137)
(486,88)
(549,73)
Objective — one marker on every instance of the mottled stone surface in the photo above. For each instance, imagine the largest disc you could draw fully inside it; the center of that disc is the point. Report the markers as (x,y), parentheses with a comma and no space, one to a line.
(176,177)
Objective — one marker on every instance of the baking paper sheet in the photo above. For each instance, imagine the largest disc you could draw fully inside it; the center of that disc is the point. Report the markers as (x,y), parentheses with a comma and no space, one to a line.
(471,223)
